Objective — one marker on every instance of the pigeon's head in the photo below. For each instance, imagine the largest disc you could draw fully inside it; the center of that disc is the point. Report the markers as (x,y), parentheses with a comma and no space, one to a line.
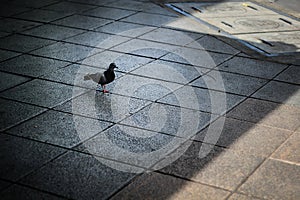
(112,66)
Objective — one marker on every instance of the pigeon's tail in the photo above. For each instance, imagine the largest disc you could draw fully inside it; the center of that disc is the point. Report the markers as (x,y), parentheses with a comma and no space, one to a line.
(87,77)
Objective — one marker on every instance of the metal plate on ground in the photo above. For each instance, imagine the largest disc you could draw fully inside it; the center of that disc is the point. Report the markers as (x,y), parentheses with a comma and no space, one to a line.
(257,27)
(223,9)
(254,24)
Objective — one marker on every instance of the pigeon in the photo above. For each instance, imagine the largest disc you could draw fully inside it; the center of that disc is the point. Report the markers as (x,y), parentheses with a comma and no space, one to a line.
(103,78)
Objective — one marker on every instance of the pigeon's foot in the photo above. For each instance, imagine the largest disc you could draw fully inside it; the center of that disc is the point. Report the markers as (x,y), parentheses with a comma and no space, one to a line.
(100,90)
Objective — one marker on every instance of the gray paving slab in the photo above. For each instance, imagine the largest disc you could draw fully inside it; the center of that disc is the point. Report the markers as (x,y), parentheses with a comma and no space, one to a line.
(69,7)
(132,5)
(143,88)
(53,32)
(143,0)
(42,93)
(241,136)
(224,169)
(20,156)
(16,192)
(211,43)
(10,80)
(171,36)
(65,51)
(189,24)
(7,54)
(84,22)
(201,58)
(258,68)
(233,83)
(290,75)
(3,34)
(13,113)
(94,2)
(267,113)
(4,184)
(41,15)
(95,39)
(170,71)
(149,19)
(109,13)
(288,59)
(289,151)
(244,55)
(59,128)
(125,29)
(141,6)
(23,43)
(87,177)
(202,99)
(31,66)
(160,186)
(104,107)
(237,196)
(156,9)
(10,9)
(145,48)
(33,3)
(292,5)
(169,119)
(73,75)
(124,62)
(131,145)
(274,180)
(280,92)
(15,25)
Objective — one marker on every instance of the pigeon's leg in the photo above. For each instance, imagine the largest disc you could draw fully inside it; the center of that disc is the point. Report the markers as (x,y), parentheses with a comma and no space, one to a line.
(104,90)
(98,88)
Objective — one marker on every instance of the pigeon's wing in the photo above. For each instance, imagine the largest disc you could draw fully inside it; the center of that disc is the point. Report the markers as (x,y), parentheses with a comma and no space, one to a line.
(97,77)
(102,79)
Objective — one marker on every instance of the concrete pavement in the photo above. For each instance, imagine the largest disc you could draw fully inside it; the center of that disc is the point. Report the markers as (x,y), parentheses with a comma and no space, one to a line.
(192,114)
